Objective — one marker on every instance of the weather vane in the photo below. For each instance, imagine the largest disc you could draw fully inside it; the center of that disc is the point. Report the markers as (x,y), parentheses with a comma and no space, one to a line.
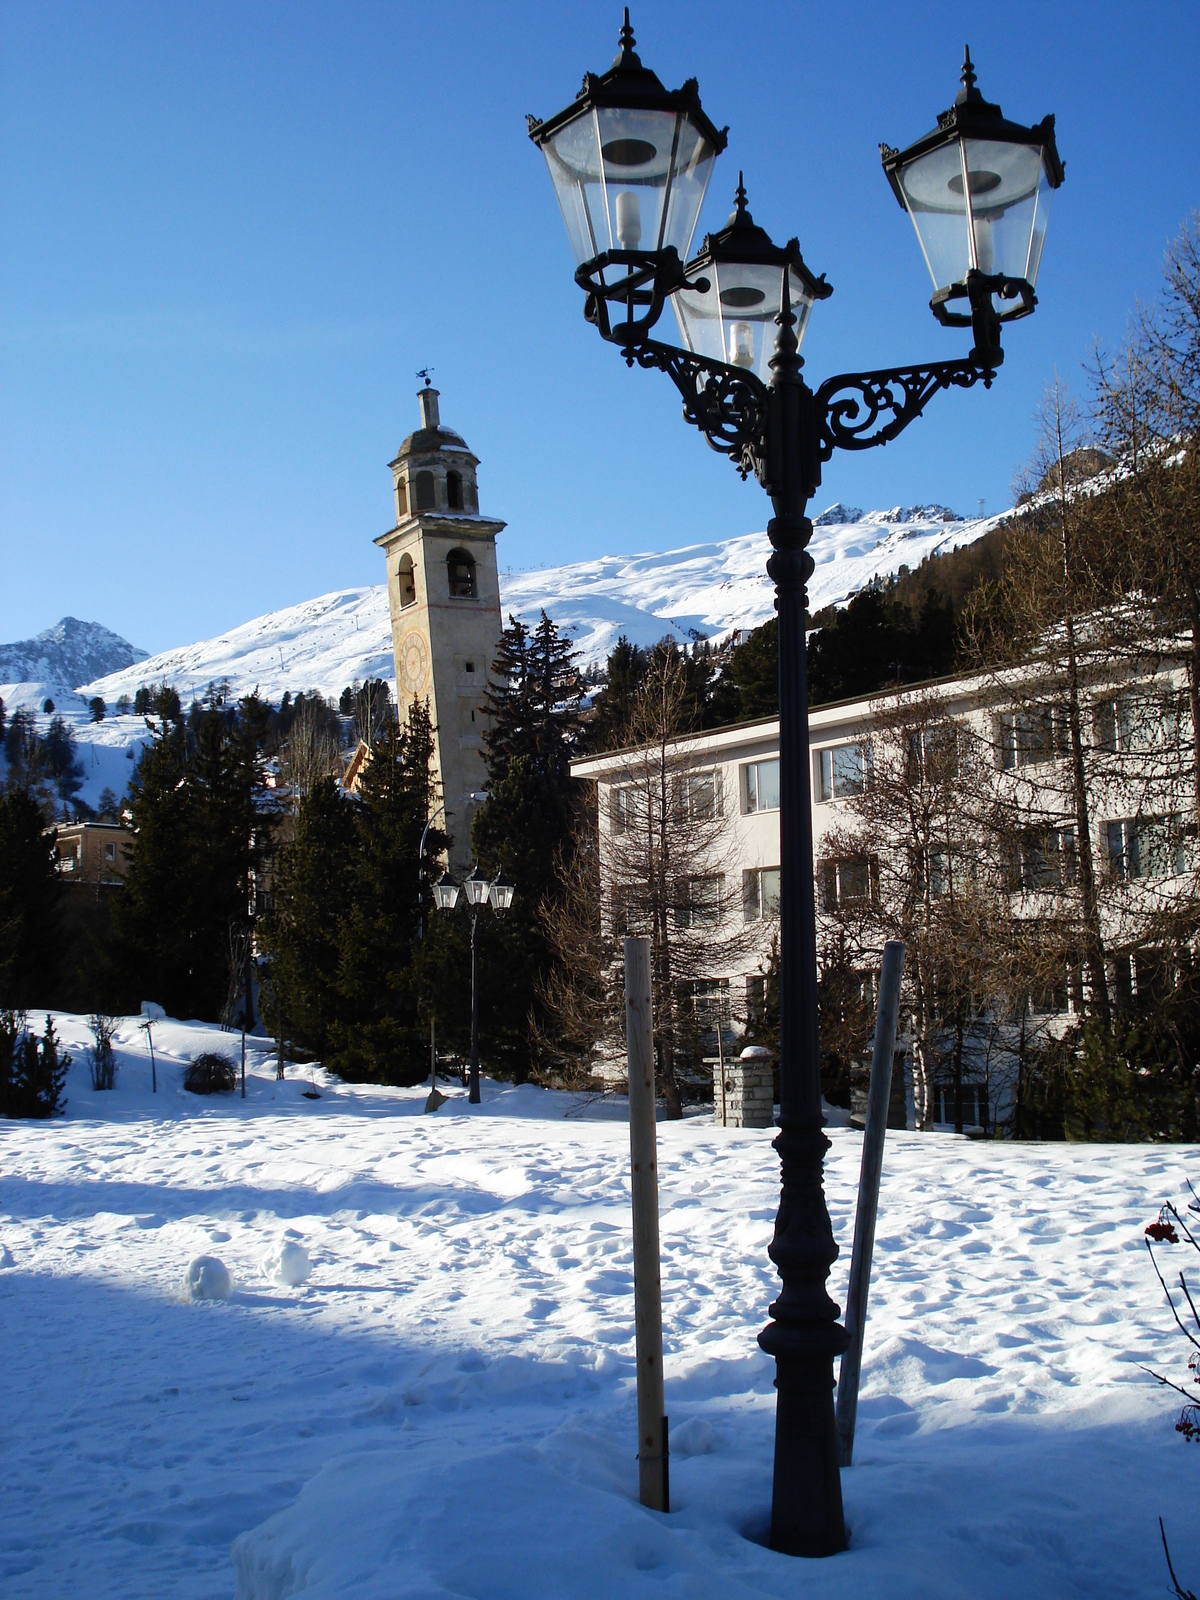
(424,373)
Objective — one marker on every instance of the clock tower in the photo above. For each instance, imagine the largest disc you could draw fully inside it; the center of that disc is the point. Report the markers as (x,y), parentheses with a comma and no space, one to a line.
(444,597)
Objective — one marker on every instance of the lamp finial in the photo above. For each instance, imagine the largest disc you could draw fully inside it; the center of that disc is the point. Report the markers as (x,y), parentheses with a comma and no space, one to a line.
(626,56)
(967,76)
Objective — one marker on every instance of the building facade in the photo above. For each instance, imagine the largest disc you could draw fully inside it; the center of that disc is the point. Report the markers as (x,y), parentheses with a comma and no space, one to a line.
(1016,826)
(92,853)
(444,598)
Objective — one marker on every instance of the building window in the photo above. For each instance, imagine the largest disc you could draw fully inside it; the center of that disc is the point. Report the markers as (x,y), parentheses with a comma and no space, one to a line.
(1028,738)
(842,771)
(1137,723)
(974,1104)
(454,494)
(1049,997)
(845,883)
(760,786)
(1045,858)
(710,1005)
(401,499)
(933,753)
(760,893)
(698,902)
(406,582)
(423,483)
(470,666)
(631,915)
(698,797)
(110,852)
(461,567)
(1146,847)
(627,808)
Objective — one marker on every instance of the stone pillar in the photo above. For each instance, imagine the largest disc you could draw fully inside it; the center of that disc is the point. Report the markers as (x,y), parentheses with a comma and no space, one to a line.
(749,1089)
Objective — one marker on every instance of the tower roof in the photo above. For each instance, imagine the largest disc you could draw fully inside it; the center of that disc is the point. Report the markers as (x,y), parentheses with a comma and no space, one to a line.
(431,436)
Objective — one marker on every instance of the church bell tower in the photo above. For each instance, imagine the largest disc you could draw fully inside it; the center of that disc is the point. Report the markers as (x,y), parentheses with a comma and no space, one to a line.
(444,596)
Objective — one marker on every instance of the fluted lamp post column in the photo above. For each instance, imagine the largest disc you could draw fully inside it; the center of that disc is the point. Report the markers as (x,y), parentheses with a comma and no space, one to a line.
(630,161)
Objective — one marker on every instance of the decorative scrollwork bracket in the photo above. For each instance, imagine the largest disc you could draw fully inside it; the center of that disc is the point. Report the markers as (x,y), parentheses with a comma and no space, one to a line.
(730,406)
(857,410)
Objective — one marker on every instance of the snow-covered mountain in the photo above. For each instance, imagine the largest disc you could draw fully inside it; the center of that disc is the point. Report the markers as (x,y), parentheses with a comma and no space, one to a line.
(69,653)
(700,591)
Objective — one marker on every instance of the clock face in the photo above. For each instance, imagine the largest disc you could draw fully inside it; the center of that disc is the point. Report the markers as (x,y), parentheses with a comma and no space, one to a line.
(413,662)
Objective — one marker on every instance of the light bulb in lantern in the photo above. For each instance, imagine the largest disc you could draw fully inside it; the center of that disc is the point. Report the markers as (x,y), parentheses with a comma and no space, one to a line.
(629,220)
(741,344)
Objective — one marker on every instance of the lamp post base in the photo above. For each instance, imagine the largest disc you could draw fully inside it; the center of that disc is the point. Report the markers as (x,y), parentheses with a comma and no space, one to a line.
(806,1504)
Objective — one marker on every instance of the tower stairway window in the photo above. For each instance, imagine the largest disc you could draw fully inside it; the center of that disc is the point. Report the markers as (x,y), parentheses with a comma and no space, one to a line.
(424,488)
(406,582)
(461,568)
(454,491)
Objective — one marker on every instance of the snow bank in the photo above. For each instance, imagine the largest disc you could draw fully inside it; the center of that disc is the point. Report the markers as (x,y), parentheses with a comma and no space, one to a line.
(448,1408)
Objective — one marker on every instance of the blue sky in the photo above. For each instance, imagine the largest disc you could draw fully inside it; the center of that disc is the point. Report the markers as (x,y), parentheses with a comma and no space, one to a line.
(231,233)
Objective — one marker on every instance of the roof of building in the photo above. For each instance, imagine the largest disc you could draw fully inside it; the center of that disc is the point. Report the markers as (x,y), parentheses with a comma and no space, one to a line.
(427,441)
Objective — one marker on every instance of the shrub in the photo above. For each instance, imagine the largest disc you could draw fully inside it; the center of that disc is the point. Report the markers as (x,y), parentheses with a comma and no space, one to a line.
(32,1074)
(211,1073)
(100,1056)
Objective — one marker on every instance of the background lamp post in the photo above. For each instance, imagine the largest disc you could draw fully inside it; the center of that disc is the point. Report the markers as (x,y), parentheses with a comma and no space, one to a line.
(476,890)
(977,190)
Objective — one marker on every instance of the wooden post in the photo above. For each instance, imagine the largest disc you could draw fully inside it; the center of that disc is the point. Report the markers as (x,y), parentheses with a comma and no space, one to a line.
(721,1060)
(878,1095)
(647,1284)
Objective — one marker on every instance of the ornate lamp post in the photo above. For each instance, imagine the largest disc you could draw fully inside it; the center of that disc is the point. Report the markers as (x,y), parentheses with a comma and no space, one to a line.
(630,162)
(477,890)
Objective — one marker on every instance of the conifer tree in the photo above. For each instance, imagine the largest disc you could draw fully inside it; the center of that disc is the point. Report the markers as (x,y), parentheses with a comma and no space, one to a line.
(30,949)
(534,703)
(199,843)
(313,892)
(379,1033)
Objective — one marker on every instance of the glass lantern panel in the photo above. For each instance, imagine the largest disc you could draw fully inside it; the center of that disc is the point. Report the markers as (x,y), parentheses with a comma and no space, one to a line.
(735,321)
(573,156)
(639,150)
(629,180)
(694,158)
(932,186)
(1003,180)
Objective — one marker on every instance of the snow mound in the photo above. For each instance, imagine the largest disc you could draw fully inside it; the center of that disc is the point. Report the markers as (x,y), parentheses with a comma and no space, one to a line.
(6,1259)
(695,1437)
(207,1278)
(288,1265)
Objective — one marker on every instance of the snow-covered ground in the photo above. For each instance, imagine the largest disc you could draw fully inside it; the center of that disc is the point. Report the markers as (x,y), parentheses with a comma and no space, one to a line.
(445,1407)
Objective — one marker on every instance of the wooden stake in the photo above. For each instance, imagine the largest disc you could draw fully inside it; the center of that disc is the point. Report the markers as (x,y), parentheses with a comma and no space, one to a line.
(878,1096)
(647,1284)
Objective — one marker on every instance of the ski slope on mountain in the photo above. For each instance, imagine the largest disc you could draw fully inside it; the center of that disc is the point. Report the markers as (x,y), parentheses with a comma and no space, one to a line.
(703,590)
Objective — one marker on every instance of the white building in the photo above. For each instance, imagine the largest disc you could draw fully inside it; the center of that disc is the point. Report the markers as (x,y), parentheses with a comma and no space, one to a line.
(1141,787)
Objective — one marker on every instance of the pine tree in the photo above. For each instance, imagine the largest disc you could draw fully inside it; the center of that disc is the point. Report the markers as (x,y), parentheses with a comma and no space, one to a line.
(313,892)
(522,831)
(379,1033)
(199,844)
(30,939)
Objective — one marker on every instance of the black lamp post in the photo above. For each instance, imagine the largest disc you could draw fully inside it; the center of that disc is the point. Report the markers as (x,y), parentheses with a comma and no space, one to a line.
(476,890)
(630,162)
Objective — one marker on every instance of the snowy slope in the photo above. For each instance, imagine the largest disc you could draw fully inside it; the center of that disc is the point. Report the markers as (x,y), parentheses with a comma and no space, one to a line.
(705,589)
(702,590)
(446,1407)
